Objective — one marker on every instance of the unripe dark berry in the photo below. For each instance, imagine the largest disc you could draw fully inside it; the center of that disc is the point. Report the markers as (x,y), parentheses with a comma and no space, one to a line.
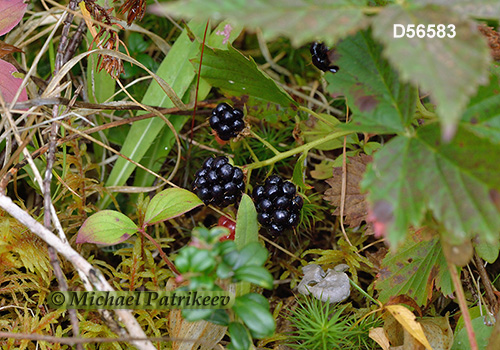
(226,121)
(321,59)
(219,183)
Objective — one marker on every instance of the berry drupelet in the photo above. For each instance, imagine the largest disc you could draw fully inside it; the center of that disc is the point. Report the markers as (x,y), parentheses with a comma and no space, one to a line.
(320,58)
(218,182)
(278,204)
(226,121)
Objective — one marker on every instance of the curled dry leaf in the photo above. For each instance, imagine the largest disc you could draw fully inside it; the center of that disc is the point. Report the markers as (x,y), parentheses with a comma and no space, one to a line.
(6,49)
(355,206)
(332,286)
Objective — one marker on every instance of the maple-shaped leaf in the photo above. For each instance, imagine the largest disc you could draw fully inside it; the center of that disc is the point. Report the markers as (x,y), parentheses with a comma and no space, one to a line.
(454,181)
(355,206)
(379,101)
(414,269)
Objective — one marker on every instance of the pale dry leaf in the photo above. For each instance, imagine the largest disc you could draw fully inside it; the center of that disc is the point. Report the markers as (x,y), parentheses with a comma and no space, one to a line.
(407,319)
(379,336)
(355,207)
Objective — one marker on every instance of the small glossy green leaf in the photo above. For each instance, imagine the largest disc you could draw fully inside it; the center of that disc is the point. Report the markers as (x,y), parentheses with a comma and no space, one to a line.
(224,270)
(256,317)
(254,274)
(253,254)
(450,69)
(259,298)
(380,103)
(240,338)
(488,251)
(192,259)
(231,71)
(106,227)
(482,332)
(219,317)
(193,315)
(169,204)
(247,227)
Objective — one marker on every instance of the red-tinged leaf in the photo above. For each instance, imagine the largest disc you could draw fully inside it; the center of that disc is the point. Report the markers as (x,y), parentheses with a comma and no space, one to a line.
(106,227)
(169,204)
(6,49)
(414,269)
(11,13)
(9,84)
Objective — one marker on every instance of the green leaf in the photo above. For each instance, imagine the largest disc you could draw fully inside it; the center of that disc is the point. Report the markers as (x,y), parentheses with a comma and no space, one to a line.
(247,228)
(106,227)
(413,269)
(255,274)
(169,204)
(179,74)
(166,140)
(194,259)
(476,8)
(411,175)
(253,254)
(482,332)
(256,317)
(450,69)
(240,338)
(379,101)
(300,20)
(488,251)
(298,176)
(229,70)
(193,315)
(483,112)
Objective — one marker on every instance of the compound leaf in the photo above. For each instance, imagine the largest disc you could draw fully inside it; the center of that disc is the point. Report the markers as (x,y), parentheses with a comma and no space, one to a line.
(412,175)
(450,69)
(300,20)
(379,101)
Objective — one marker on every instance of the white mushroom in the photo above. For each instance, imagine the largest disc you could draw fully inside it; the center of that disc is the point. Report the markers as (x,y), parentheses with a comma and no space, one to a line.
(333,286)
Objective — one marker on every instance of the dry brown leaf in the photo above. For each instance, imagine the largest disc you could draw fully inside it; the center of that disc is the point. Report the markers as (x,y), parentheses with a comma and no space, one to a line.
(355,207)
(6,49)
(493,40)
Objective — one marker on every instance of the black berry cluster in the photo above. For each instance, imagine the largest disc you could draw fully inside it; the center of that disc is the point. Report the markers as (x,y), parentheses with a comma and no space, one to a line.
(320,58)
(278,204)
(218,182)
(226,121)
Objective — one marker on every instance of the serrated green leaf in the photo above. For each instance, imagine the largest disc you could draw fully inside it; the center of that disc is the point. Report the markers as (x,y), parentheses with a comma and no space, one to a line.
(412,175)
(247,228)
(231,71)
(379,101)
(413,269)
(483,111)
(477,8)
(300,20)
(255,316)
(450,69)
(254,274)
(169,204)
(106,227)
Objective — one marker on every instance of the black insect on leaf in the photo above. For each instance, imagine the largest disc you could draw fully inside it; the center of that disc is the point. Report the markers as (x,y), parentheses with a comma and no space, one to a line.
(321,57)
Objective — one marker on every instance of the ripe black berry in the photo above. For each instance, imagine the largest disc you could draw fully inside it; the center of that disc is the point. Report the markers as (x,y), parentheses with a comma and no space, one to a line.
(320,58)
(218,182)
(226,121)
(278,205)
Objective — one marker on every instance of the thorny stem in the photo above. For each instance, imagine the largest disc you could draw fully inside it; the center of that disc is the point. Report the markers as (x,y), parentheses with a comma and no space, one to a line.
(162,253)
(303,148)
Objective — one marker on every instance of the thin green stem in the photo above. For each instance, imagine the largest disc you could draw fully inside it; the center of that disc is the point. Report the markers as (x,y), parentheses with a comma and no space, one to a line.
(303,148)
(365,293)
(423,111)
(265,143)
(316,115)
(254,156)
